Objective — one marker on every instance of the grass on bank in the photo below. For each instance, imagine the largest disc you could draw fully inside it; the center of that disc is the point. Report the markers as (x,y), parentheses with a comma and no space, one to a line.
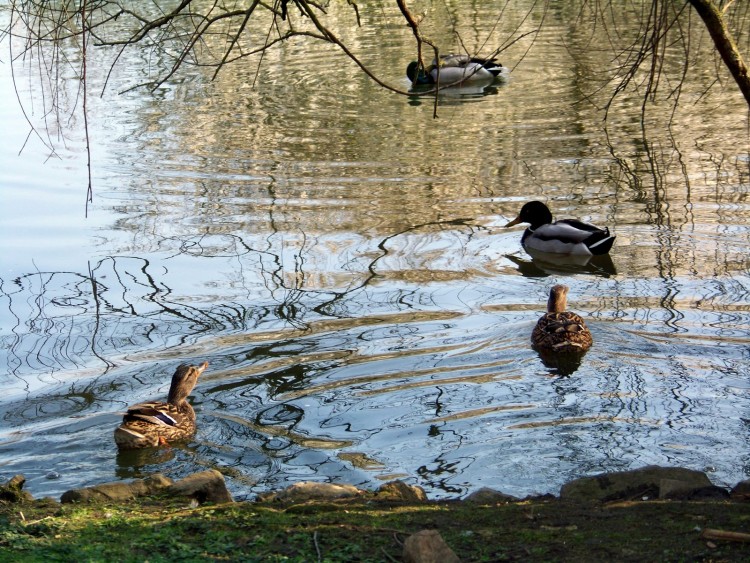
(166,530)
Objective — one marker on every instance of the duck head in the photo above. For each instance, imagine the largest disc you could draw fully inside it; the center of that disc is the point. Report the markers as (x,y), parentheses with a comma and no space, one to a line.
(535,213)
(418,75)
(183,382)
(558,299)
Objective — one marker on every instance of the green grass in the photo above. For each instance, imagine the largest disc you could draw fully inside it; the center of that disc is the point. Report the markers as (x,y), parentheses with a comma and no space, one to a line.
(366,530)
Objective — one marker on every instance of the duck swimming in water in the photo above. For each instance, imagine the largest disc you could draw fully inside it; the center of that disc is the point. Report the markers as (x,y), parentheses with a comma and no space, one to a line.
(157,423)
(567,236)
(454,69)
(559,331)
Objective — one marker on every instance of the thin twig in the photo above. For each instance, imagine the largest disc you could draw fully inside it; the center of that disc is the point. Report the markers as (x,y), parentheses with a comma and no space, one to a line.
(89,190)
(317,547)
(236,37)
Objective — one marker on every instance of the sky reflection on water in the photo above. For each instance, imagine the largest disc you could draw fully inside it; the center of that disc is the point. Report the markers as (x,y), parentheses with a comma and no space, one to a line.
(346,273)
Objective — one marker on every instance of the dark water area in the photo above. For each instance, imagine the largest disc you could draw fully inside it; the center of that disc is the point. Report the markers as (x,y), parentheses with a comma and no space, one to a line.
(339,258)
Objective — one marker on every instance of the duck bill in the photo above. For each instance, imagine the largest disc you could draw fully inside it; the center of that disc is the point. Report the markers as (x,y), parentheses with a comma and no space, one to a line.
(202,367)
(513,222)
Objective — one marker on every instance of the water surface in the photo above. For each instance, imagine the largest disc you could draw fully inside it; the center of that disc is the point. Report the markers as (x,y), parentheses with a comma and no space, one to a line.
(339,258)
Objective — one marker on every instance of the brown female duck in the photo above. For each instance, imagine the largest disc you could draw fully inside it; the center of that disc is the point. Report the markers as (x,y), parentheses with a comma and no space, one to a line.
(157,423)
(560,331)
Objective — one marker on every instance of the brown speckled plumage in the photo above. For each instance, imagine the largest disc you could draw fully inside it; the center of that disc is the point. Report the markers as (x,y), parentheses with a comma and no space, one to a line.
(560,331)
(157,423)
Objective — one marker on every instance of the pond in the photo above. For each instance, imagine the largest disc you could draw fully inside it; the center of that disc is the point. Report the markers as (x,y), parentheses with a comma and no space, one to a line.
(339,258)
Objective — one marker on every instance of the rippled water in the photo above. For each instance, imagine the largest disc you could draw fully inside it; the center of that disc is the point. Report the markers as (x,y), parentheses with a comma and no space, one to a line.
(339,258)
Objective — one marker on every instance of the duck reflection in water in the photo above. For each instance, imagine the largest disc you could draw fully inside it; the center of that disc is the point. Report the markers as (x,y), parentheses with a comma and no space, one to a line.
(136,463)
(544,264)
(455,95)
(560,337)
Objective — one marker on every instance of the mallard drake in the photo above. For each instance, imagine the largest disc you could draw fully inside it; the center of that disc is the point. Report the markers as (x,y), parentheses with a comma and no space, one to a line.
(558,330)
(567,236)
(454,69)
(157,423)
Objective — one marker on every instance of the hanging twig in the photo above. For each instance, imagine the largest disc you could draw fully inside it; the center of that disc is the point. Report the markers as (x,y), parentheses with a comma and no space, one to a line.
(236,37)
(89,190)
(414,25)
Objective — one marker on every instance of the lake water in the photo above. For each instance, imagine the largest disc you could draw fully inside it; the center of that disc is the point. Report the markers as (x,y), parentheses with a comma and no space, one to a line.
(338,257)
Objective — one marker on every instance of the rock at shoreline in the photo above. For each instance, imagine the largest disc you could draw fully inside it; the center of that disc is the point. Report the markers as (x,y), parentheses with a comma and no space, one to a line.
(649,482)
(681,490)
(119,490)
(205,486)
(400,491)
(486,495)
(312,491)
(741,490)
(309,490)
(12,491)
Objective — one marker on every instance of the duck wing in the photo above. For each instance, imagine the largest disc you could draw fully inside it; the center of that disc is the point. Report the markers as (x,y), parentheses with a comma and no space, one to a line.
(599,240)
(491,65)
(568,231)
(571,232)
(469,73)
(452,60)
(154,413)
(485,68)
(561,332)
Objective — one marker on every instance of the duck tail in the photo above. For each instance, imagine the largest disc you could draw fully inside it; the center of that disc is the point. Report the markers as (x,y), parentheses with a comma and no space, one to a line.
(600,243)
(489,64)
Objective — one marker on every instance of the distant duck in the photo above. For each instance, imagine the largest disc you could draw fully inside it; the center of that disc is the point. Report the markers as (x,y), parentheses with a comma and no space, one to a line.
(157,423)
(454,69)
(559,331)
(567,236)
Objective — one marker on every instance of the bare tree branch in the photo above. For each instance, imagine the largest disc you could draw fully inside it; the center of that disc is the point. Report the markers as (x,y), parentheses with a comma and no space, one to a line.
(713,17)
